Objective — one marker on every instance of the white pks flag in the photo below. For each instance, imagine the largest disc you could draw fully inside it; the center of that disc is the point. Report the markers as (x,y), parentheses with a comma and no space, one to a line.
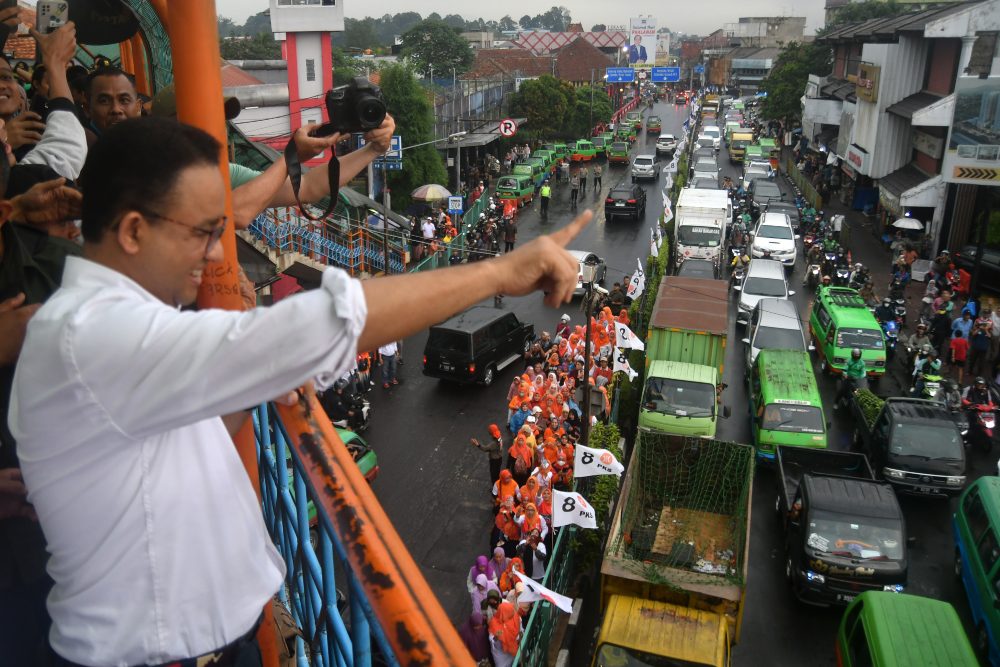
(668,183)
(624,338)
(570,507)
(668,211)
(637,283)
(654,250)
(589,461)
(535,592)
(621,364)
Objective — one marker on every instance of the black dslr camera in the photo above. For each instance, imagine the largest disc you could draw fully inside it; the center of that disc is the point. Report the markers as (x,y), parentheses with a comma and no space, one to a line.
(356,107)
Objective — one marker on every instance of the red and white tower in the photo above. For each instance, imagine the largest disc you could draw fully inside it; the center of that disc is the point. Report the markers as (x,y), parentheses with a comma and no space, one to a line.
(304,27)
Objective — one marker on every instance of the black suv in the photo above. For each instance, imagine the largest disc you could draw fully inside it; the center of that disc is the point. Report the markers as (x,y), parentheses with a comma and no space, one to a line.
(472,346)
(625,199)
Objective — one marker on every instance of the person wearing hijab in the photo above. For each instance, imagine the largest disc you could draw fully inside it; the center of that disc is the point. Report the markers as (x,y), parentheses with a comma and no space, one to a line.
(530,491)
(475,635)
(505,635)
(480,567)
(521,458)
(506,531)
(497,565)
(505,487)
(492,603)
(508,579)
(624,318)
(480,588)
(531,520)
(494,449)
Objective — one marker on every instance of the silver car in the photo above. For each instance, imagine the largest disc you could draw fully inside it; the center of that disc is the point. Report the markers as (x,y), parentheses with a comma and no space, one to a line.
(764,278)
(644,166)
(774,325)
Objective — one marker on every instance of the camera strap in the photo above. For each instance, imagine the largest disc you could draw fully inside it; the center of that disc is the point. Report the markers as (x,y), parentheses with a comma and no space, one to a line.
(295,176)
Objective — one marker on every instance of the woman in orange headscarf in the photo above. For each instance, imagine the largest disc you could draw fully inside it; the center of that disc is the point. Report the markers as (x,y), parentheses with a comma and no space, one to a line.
(530,491)
(522,458)
(532,520)
(505,635)
(505,487)
(508,579)
(624,318)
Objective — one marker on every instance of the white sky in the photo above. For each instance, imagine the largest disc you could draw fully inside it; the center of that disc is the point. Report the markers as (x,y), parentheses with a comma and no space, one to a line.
(700,18)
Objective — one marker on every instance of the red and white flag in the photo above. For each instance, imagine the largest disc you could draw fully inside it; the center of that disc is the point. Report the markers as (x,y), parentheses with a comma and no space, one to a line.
(570,507)
(535,592)
(590,461)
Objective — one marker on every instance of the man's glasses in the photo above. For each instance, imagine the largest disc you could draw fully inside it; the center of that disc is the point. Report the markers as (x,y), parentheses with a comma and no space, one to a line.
(212,236)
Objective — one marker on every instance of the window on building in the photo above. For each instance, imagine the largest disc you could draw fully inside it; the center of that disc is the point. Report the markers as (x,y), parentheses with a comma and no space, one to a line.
(310,69)
(853,60)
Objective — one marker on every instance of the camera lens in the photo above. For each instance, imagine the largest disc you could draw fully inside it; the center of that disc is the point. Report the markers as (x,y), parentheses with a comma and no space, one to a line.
(371,112)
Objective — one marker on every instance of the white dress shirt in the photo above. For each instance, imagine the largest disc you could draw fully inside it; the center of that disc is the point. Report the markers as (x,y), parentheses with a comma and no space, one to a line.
(158,545)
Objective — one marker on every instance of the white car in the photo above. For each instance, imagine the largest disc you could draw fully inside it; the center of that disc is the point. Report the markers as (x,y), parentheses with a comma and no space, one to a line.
(666,143)
(775,235)
(765,278)
(644,166)
(774,325)
(715,133)
(756,170)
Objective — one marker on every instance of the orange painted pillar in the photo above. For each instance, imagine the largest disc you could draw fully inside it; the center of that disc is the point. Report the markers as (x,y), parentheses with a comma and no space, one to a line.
(139,61)
(198,86)
(125,52)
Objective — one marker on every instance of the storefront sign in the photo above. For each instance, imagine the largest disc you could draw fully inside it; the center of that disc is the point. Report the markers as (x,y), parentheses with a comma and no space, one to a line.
(867,86)
(890,202)
(858,158)
(973,154)
(928,144)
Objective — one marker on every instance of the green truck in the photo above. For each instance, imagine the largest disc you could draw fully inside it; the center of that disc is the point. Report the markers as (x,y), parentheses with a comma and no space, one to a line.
(685,352)
(673,576)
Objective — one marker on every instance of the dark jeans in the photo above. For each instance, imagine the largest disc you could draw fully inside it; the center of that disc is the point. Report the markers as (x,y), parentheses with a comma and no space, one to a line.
(545,205)
(508,246)
(573,194)
(388,368)
(24,623)
(597,183)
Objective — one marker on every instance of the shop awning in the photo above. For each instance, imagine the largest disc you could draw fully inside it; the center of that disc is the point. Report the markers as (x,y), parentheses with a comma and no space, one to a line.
(357,200)
(908,106)
(910,187)
(484,134)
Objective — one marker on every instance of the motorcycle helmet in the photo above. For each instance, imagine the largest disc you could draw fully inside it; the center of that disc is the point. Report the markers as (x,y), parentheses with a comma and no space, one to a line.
(856,353)
(886,302)
(858,266)
(826,280)
(932,353)
(926,348)
(979,382)
(921,327)
(564,318)
(340,385)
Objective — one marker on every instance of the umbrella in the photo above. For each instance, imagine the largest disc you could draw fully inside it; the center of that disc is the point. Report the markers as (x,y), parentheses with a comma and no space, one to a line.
(430,192)
(908,223)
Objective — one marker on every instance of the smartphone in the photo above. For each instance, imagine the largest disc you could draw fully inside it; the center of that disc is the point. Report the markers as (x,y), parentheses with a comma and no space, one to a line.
(52,14)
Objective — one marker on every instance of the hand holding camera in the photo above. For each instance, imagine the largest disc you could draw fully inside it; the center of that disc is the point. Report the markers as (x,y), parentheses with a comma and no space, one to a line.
(358,107)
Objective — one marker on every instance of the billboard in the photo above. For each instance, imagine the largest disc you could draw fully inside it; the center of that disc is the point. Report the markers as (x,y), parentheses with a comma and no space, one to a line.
(973,154)
(642,42)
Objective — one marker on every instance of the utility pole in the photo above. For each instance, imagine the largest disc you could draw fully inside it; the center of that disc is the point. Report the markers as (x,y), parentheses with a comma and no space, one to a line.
(592,98)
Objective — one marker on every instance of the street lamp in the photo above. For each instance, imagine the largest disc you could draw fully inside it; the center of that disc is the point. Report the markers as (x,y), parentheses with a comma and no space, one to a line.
(624,49)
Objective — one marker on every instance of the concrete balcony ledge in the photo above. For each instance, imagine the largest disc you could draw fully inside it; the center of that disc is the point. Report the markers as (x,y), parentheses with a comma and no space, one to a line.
(824,111)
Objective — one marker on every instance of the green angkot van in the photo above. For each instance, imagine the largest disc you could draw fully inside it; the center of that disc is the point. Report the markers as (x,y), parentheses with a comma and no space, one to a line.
(532,171)
(754,152)
(976,526)
(518,187)
(561,151)
(600,145)
(582,151)
(785,405)
(839,322)
(618,152)
(548,157)
(885,629)
(634,118)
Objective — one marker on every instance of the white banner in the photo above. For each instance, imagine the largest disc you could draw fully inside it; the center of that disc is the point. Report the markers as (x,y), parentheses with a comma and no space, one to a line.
(654,250)
(668,183)
(588,461)
(570,507)
(535,592)
(637,283)
(626,339)
(668,210)
(658,236)
(621,364)
(672,167)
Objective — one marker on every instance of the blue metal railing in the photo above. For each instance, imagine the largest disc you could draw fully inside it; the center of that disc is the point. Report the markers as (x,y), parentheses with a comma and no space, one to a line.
(457,245)
(338,624)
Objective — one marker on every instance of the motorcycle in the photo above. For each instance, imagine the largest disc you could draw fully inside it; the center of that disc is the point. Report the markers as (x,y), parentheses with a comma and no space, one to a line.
(808,240)
(841,276)
(932,385)
(738,271)
(891,331)
(982,421)
(813,276)
(896,294)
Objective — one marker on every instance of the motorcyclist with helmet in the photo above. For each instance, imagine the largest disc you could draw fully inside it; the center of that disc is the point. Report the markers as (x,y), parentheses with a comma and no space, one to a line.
(928,365)
(885,311)
(918,340)
(978,393)
(340,406)
(853,378)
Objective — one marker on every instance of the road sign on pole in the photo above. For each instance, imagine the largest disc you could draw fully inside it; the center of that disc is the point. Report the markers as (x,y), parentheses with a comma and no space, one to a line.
(699,69)
(455,205)
(620,74)
(666,74)
(508,127)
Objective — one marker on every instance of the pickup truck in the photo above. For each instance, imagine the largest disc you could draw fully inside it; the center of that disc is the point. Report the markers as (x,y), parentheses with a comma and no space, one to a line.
(844,531)
(913,443)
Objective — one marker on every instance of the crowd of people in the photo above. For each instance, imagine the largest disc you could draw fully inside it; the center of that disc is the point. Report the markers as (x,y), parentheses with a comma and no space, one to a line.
(529,456)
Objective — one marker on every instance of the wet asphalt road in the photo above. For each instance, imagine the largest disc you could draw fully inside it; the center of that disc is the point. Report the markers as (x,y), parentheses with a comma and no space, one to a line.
(435,486)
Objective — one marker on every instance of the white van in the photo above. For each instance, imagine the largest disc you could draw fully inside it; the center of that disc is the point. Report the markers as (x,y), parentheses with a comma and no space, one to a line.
(775,235)
(765,278)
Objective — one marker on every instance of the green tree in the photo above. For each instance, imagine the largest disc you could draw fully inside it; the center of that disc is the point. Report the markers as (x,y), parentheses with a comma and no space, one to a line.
(360,34)
(409,105)
(507,23)
(527,23)
(549,105)
(556,19)
(580,123)
(862,11)
(344,67)
(786,83)
(226,27)
(434,44)
(599,27)
(257,24)
(257,47)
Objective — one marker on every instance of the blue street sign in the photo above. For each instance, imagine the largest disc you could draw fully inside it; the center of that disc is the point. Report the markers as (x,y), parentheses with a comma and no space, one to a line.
(388,165)
(455,205)
(666,74)
(395,148)
(699,69)
(621,74)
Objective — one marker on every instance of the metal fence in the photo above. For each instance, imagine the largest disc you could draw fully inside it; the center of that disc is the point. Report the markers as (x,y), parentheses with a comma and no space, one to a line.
(544,616)
(803,184)
(337,624)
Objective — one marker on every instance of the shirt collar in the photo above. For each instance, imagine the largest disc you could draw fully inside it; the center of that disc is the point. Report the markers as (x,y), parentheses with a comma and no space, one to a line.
(85,273)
